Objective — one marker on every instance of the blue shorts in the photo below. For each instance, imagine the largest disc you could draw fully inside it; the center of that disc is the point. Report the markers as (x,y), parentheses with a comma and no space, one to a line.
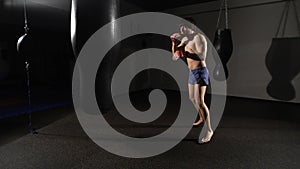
(199,76)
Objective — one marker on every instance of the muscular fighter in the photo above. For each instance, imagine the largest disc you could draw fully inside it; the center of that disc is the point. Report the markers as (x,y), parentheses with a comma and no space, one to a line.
(193,46)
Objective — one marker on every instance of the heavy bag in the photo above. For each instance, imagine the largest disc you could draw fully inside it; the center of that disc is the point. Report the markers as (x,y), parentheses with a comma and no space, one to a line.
(224,46)
(283,63)
(282,59)
(87,16)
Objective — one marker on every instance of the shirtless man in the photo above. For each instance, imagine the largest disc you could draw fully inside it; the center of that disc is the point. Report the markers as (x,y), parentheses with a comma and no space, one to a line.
(195,50)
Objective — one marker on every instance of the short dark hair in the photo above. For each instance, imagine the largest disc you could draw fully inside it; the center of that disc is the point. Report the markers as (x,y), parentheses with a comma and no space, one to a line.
(189,19)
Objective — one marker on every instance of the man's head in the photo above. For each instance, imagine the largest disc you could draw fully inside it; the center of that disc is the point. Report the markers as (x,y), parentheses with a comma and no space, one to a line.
(187,28)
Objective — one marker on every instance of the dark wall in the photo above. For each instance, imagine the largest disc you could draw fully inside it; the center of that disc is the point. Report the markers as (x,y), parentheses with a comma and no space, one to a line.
(50,53)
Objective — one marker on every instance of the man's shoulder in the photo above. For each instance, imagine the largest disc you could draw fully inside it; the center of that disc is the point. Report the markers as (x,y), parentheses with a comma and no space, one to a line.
(199,37)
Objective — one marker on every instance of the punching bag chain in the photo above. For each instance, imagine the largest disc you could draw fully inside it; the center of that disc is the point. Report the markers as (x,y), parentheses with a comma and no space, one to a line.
(220,11)
(25,17)
(224,5)
(297,16)
(284,18)
(226,14)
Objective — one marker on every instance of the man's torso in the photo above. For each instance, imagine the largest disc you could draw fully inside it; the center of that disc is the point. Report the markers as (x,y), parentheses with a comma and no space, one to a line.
(194,63)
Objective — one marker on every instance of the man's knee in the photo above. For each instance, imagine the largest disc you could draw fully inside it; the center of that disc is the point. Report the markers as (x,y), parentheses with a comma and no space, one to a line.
(197,101)
(192,99)
(202,104)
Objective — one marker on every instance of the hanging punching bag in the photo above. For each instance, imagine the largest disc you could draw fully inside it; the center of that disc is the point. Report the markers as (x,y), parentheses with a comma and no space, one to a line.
(73,26)
(223,45)
(282,59)
(87,16)
(25,48)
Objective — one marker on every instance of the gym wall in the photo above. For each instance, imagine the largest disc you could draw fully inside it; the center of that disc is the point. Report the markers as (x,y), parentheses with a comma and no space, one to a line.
(253,28)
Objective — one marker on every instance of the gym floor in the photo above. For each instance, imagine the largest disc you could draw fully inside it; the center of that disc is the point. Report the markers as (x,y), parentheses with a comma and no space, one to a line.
(252,134)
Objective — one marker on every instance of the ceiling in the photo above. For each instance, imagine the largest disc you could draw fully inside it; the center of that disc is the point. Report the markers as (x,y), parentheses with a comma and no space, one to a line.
(148,5)
(161,5)
(54,14)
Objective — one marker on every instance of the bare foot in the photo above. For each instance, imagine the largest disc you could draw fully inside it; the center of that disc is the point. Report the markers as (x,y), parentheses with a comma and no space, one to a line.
(198,122)
(208,136)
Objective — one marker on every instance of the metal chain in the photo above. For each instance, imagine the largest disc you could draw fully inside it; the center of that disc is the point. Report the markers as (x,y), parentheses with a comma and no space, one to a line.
(284,18)
(226,14)
(224,4)
(25,17)
(297,16)
(281,18)
(220,12)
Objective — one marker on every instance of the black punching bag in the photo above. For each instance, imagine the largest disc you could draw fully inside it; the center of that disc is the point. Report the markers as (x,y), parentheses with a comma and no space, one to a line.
(223,45)
(87,16)
(282,59)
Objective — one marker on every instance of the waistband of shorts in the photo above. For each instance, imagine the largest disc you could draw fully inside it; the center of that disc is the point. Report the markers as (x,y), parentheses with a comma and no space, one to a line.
(199,68)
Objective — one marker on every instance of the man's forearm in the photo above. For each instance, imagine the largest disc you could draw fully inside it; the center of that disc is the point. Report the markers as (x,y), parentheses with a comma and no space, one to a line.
(173,48)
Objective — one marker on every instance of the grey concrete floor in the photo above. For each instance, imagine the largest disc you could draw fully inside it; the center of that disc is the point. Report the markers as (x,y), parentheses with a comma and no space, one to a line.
(242,140)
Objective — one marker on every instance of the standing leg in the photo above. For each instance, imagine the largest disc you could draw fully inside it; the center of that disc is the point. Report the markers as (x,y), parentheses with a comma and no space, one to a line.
(194,94)
(205,109)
